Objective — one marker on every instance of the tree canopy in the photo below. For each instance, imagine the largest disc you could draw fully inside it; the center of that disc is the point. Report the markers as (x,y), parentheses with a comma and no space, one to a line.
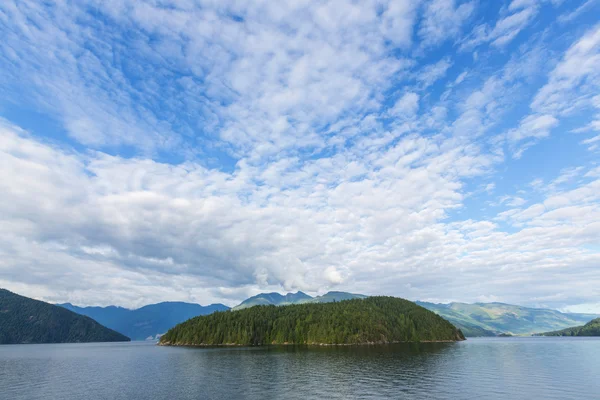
(370,320)
(592,328)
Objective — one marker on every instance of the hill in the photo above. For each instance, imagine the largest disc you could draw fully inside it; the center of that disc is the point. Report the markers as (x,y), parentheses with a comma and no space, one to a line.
(358,321)
(24,320)
(336,296)
(277,299)
(592,328)
(147,322)
(491,319)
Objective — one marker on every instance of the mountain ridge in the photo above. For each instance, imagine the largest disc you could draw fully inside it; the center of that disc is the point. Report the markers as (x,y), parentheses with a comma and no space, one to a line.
(474,319)
(147,322)
(24,320)
(495,318)
(592,328)
(295,298)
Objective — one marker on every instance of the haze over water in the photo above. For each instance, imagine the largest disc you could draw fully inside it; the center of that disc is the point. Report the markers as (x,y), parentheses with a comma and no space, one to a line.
(491,368)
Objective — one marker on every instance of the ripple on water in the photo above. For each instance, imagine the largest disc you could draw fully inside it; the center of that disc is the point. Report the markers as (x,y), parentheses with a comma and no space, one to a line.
(512,368)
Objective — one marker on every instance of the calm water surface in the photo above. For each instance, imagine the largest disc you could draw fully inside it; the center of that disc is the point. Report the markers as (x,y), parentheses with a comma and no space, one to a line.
(496,368)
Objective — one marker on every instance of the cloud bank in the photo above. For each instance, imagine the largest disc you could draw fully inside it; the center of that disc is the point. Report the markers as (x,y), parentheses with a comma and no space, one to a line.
(206,151)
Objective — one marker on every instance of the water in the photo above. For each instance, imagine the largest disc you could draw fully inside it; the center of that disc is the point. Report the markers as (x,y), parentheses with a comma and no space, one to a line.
(496,368)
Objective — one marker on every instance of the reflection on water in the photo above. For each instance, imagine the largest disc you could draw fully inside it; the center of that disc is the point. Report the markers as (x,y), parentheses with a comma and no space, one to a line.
(497,368)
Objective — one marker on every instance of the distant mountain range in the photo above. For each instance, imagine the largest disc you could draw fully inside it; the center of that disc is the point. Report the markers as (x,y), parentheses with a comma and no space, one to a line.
(295,298)
(491,319)
(24,320)
(592,328)
(479,319)
(148,322)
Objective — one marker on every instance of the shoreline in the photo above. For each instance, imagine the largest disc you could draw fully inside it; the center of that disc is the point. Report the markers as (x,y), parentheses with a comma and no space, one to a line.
(303,344)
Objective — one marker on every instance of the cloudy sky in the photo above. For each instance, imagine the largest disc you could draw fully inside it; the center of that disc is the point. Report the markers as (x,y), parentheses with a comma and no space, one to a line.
(205,151)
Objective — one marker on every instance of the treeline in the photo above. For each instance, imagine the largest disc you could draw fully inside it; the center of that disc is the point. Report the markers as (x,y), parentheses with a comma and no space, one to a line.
(592,328)
(370,320)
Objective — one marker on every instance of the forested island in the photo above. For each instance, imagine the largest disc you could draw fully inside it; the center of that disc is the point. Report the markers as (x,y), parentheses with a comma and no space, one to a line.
(25,320)
(372,320)
(592,328)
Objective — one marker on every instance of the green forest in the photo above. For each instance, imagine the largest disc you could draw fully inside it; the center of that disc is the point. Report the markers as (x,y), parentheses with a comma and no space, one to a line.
(359,321)
(592,328)
(24,320)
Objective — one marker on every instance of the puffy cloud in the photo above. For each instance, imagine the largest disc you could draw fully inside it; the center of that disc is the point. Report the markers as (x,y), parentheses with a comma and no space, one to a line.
(127,231)
(406,106)
(443,20)
(206,151)
(262,77)
(244,228)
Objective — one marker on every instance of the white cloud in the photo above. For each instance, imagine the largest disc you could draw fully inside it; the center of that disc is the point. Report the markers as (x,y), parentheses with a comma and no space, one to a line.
(443,20)
(344,168)
(518,4)
(534,126)
(333,275)
(593,143)
(506,28)
(406,106)
(263,85)
(594,173)
(575,79)
(512,201)
(150,231)
(429,74)
(571,15)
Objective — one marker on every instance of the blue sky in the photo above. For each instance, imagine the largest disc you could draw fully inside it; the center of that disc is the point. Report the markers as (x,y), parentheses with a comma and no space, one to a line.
(203,151)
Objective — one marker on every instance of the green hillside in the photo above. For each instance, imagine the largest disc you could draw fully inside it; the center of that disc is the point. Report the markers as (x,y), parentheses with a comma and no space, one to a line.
(370,320)
(592,328)
(24,320)
(491,319)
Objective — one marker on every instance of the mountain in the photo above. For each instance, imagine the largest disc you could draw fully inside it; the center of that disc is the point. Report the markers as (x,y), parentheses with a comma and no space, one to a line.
(336,296)
(277,299)
(491,319)
(592,328)
(24,320)
(146,322)
(357,321)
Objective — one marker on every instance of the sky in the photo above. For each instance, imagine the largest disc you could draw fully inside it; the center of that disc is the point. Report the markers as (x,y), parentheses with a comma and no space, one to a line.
(207,151)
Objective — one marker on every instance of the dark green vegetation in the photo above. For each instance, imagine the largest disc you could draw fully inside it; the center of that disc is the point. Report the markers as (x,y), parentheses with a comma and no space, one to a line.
(277,299)
(479,319)
(592,328)
(370,320)
(147,322)
(24,320)
(491,319)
